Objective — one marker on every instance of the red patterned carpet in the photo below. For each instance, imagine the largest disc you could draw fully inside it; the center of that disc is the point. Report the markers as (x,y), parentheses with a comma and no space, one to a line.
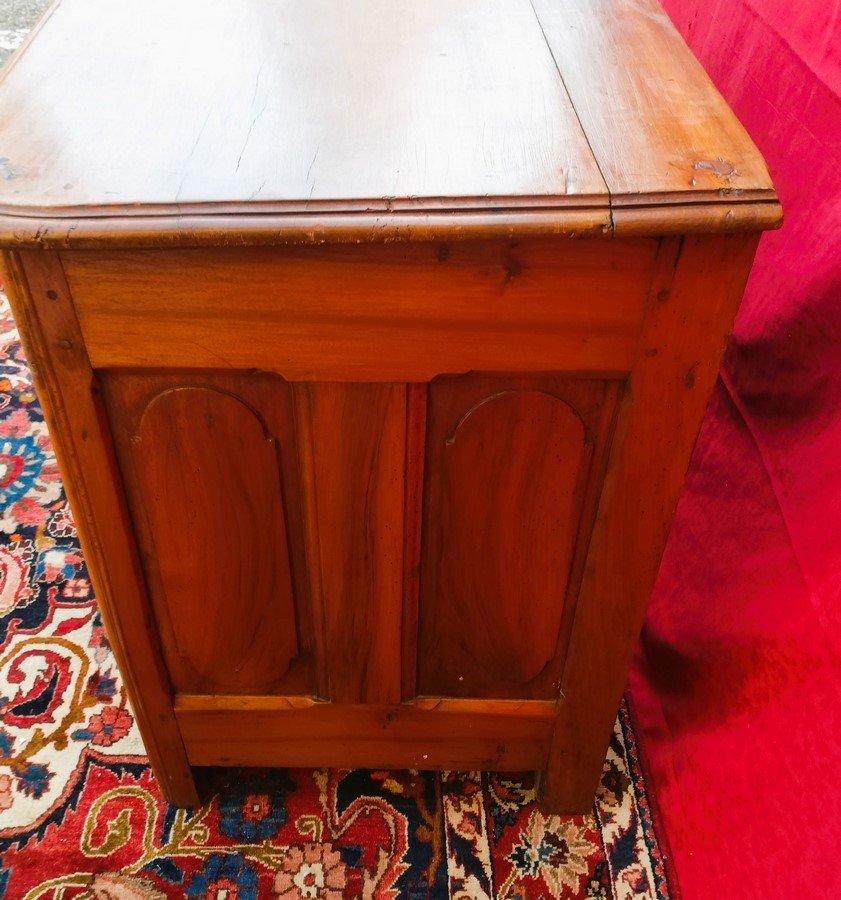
(81,815)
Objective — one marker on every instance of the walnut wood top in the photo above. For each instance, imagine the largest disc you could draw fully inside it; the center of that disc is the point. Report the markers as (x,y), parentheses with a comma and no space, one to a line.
(161,121)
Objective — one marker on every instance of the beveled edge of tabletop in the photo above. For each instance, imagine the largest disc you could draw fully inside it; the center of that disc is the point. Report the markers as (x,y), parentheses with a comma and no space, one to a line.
(714,206)
(221,227)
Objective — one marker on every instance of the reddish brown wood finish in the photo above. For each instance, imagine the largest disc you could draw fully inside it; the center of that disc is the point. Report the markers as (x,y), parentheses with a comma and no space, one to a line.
(496,288)
(393,312)
(381,120)
(355,481)
(425,539)
(416,415)
(74,412)
(694,297)
(508,465)
(424,734)
(203,460)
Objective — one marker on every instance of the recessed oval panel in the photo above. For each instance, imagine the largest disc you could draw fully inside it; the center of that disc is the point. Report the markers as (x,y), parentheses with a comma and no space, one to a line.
(210,479)
(502,507)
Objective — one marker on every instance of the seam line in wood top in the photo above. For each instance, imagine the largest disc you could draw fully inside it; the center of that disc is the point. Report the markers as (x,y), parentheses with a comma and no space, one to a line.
(577,116)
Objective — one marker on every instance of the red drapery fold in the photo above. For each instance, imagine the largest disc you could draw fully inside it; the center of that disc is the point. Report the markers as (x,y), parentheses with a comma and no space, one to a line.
(737,683)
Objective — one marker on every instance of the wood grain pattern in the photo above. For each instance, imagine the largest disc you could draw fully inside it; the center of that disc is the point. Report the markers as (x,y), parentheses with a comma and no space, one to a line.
(358,446)
(695,295)
(697,218)
(79,431)
(416,416)
(430,733)
(508,467)
(261,229)
(404,312)
(660,131)
(355,478)
(203,470)
(322,121)
(464,484)
(315,104)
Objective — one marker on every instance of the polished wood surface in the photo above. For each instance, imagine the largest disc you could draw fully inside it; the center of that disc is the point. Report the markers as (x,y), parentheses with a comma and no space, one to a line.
(424,734)
(396,312)
(374,339)
(396,118)
(354,466)
(508,466)
(203,460)
(80,433)
(315,104)
(458,528)
(670,136)
(696,290)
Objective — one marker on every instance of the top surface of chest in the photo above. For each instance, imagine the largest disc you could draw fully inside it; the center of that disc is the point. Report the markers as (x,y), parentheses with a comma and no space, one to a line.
(302,108)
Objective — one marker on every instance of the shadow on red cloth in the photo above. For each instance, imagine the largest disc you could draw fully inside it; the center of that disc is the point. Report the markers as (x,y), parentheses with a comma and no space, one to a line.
(737,685)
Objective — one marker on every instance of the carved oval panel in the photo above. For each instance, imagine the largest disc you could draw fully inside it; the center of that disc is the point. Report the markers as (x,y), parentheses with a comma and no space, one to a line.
(503,498)
(210,485)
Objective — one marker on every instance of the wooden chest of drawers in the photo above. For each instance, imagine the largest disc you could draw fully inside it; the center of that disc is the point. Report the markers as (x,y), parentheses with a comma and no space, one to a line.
(374,339)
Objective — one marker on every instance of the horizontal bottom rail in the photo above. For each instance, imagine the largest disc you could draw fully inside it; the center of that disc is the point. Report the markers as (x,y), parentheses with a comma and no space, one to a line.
(428,733)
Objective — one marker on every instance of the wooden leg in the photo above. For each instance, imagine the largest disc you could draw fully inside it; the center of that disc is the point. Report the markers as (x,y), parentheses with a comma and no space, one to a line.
(556,795)
(178,786)
(67,389)
(696,290)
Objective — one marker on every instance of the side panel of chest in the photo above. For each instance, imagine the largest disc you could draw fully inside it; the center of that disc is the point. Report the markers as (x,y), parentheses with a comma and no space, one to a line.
(513,470)
(391,506)
(364,543)
(359,534)
(392,312)
(210,466)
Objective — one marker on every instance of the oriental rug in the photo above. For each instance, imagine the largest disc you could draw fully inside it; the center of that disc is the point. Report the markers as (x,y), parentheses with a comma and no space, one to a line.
(82,816)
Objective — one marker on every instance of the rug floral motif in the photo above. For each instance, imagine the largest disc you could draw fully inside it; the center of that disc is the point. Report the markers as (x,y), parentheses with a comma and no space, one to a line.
(82,816)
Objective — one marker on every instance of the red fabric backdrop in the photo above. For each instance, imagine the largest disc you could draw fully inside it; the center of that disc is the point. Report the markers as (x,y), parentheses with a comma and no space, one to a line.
(738,681)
